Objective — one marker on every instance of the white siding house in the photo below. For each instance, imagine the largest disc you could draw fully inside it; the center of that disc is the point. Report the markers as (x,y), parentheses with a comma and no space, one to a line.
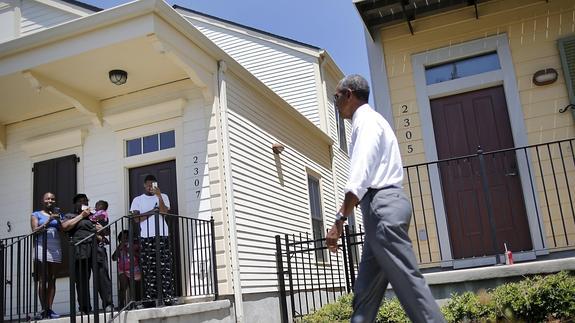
(305,77)
(227,91)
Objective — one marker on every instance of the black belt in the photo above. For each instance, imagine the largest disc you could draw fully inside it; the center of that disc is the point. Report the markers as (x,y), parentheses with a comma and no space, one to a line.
(372,190)
(369,190)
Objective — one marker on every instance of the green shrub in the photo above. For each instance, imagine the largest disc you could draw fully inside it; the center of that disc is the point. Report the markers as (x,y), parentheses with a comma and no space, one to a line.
(391,312)
(468,307)
(339,311)
(534,299)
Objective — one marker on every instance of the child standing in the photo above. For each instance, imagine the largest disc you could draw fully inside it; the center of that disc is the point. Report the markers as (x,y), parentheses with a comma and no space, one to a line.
(122,256)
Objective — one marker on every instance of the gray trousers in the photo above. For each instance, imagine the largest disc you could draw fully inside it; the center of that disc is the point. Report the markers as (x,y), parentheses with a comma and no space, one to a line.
(388,258)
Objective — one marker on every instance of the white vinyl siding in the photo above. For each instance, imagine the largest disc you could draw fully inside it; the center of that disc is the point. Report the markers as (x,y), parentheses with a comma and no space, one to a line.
(37,16)
(287,72)
(270,191)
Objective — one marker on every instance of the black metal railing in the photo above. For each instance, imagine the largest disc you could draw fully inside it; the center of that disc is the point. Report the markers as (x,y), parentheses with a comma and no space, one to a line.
(542,177)
(191,241)
(536,180)
(305,284)
(18,289)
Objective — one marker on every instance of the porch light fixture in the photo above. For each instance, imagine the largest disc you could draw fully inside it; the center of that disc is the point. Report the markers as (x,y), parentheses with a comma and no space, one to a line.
(545,76)
(278,148)
(118,77)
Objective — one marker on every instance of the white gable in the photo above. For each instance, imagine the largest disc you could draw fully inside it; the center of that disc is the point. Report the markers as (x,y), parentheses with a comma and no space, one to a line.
(289,72)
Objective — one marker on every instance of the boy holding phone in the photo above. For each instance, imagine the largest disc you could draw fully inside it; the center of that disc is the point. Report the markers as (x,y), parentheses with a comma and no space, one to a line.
(144,208)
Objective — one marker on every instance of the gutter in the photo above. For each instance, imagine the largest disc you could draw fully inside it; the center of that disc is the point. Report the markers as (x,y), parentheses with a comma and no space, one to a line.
(223,102)
(324,60)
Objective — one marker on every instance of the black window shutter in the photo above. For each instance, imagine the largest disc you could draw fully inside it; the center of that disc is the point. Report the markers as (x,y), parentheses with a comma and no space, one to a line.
(57,176)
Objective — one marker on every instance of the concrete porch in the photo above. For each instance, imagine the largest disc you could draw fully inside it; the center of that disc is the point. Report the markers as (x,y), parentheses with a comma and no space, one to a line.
(203,311)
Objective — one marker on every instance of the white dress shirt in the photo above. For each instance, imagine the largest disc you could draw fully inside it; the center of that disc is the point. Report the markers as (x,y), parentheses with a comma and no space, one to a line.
(374,153)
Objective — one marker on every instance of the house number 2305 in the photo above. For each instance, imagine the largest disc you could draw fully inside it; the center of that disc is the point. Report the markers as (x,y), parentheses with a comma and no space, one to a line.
(406,124)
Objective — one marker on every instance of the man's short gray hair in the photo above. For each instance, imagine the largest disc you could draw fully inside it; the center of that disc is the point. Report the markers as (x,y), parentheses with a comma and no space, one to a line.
(357,84)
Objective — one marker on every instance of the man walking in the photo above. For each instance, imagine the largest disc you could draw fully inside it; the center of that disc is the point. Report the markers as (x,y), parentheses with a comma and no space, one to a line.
(375,182)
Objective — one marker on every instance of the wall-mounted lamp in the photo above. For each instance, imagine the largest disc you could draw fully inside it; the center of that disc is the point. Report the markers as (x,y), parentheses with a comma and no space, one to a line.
(545,76)
(278,148)
(118,77)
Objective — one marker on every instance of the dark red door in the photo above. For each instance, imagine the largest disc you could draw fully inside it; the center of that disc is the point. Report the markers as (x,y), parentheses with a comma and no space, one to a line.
(165,173)
(461,123)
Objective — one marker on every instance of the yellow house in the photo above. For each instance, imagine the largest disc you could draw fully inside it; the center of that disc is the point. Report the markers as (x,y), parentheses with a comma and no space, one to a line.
(479,93)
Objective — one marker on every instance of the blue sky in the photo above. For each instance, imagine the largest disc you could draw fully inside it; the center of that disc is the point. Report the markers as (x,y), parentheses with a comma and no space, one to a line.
(333,25)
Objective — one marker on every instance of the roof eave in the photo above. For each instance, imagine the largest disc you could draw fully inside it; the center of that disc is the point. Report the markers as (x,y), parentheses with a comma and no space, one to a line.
(254,32)
(138,8)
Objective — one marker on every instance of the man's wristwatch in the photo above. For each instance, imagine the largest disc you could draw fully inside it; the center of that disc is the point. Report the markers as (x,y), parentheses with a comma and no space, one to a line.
(340,217)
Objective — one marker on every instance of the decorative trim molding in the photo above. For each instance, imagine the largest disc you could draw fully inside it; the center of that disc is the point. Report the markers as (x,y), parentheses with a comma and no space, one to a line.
(146,115)
(84,103)
(53,142)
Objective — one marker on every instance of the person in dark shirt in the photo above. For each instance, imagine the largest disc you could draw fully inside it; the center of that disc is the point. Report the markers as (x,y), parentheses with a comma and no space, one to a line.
(79,226)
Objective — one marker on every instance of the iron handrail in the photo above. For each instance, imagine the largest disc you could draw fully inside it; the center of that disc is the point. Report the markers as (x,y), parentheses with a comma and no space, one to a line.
(91,236)
(491,152)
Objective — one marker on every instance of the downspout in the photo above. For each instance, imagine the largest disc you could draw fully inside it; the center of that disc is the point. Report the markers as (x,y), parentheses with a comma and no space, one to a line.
(328,129)
(237,285)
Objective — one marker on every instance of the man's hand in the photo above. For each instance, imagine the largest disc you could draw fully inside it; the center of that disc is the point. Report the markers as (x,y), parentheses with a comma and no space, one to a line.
(86,213)
(333,236)
(157,191)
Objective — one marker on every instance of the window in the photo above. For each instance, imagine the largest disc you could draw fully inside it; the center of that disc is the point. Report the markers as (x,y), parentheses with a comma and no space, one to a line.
(341,131)
(58,176)
(567,52)
(316,218)
(462,68)
(151,143)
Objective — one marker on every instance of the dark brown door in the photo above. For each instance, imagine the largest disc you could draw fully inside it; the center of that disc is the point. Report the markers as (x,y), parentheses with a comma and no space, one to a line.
(165,173)
(461,124)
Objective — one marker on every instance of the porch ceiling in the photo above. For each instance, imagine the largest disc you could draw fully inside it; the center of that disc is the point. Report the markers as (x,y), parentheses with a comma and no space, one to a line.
(85,73)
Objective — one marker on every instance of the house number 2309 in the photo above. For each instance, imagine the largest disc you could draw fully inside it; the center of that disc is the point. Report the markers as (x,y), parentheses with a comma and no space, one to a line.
(407,124)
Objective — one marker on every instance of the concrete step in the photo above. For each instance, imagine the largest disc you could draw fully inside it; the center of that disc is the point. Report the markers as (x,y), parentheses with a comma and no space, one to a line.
(195,309)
